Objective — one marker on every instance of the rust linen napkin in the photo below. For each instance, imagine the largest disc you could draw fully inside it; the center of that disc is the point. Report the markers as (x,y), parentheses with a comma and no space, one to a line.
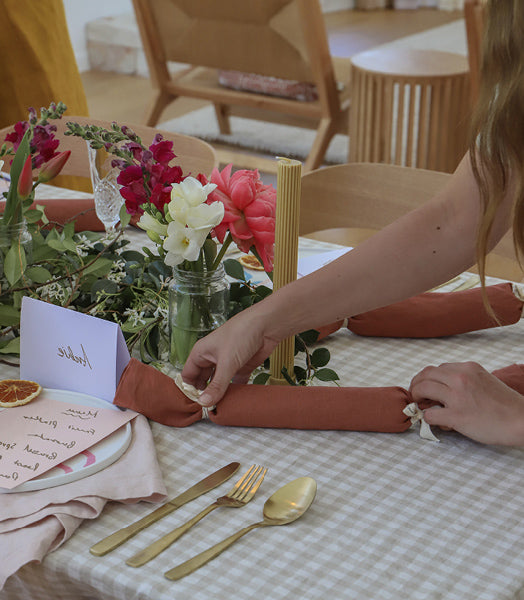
(32,524)
(437,314)
(62,210)
(146,390)
(82,210)
(154,394)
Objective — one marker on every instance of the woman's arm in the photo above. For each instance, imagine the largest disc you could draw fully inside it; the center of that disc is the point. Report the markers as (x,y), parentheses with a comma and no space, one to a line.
(422,249)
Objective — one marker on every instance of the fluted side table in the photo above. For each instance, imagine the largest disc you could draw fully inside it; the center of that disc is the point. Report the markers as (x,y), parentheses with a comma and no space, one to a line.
(409,107)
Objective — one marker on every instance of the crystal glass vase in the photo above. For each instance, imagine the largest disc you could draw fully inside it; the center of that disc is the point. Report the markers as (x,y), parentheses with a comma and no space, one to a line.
(198,303)
(106,190)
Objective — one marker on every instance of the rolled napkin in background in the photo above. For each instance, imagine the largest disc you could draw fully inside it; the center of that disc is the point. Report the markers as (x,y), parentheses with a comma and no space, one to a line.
(437,314)
(81,210)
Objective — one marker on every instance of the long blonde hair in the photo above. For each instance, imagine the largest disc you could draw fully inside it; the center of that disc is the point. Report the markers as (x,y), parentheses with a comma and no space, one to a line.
(497,142)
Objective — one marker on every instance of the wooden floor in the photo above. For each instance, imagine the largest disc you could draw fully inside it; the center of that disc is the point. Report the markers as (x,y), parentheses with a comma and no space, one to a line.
(124,98)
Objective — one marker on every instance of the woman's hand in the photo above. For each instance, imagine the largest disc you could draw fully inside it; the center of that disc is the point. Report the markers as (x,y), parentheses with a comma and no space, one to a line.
(474,403)
(231,352)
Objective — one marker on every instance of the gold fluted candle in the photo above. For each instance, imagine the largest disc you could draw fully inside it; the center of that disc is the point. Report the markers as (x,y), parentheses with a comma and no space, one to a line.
(286,254)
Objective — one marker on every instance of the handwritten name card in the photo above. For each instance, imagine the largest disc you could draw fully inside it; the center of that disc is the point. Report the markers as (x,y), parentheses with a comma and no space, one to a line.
(40,435)
(64,349)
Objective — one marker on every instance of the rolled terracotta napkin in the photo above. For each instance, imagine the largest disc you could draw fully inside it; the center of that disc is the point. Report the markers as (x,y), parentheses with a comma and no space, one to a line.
(32,524)
(63,210)
(155,395)
(512,376)
(146,390)
(437,314)
(81,210)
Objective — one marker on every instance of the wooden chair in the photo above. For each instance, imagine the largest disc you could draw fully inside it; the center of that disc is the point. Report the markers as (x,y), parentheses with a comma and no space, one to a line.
(285,39)
(194,156)
(346,204)
(474,20)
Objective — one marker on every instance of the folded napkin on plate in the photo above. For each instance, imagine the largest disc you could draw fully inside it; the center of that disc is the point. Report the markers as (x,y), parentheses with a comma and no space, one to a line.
(33,524)
(437,314)
(379,409)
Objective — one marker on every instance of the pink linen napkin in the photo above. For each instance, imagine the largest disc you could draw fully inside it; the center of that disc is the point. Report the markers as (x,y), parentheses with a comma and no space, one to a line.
(32,524)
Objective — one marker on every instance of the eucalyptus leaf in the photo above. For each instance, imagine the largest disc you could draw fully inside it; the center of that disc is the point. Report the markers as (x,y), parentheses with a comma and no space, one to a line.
(57,245)
(33,215)
(234,269)
(125,217)
(326,375)
(38,274)
(310,336)
(12,347)
(15,262)
(261,379)
(100,267)
(320,357)
(9,315)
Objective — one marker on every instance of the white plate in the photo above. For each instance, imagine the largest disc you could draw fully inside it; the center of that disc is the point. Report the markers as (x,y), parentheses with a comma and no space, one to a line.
(93,459)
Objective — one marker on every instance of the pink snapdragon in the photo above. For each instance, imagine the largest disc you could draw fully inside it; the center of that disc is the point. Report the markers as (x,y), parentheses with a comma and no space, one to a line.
(150,178)
(42,146)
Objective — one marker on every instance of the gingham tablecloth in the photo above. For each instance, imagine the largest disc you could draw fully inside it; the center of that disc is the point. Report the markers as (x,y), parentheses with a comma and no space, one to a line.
(395,517)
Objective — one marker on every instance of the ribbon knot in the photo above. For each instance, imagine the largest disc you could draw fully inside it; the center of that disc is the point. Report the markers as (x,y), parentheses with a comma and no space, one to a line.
(191,392)
(416,415)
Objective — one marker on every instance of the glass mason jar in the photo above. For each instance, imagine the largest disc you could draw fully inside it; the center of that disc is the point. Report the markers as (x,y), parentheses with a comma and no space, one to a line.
(198,303)
(16,235)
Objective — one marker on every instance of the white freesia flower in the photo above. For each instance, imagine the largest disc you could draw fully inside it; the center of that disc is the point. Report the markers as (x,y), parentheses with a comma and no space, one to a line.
(149,223)
(188,204)
(183,243)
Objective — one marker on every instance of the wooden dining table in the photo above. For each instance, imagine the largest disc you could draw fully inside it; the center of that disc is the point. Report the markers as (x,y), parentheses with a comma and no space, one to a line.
(395,516)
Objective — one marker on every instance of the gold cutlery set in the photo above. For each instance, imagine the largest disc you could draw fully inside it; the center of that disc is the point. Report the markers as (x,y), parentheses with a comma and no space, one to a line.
(286,505)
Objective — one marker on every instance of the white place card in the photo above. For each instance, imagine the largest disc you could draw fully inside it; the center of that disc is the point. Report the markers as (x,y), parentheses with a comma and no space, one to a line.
(308,264)
(64,349)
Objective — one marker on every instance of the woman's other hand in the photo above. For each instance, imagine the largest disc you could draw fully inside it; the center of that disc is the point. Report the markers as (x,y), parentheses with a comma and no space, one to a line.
(473,402)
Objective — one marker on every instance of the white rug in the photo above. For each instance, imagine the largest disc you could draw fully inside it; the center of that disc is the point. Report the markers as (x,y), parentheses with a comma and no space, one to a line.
(295,142)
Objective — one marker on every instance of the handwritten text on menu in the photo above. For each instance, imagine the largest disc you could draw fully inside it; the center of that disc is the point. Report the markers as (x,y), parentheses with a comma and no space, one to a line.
(42,434)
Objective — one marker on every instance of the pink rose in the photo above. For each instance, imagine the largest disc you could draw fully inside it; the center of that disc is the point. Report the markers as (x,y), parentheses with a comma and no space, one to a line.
(250,208)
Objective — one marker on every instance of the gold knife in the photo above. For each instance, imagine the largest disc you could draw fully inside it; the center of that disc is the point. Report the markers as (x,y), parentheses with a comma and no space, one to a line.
(122,535)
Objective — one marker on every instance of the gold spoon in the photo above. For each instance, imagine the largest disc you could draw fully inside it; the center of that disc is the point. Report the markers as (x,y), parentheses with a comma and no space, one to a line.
(286,505)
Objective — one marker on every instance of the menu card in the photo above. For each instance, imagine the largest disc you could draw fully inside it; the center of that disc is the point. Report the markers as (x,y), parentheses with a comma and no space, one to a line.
(42,434)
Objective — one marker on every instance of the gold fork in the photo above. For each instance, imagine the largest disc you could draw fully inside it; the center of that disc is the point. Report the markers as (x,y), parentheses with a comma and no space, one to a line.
(239,495)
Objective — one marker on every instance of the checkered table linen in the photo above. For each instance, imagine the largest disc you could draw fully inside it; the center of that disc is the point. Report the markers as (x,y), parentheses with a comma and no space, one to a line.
(395,517)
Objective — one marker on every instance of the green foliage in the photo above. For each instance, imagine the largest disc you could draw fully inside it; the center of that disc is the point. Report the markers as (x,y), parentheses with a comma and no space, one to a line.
(91,274)
(244,294)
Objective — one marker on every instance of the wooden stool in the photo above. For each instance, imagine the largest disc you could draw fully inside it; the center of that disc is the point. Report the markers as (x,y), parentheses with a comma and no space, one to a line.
(409,107)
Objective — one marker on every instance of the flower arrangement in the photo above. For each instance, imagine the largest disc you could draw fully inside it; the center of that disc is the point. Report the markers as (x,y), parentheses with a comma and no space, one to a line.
(34,147)
(192,221)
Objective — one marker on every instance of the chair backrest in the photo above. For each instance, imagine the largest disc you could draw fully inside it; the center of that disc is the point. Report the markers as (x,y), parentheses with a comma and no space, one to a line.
(369,196)
(194,156)
(279,38)
(474,20)
(363,195)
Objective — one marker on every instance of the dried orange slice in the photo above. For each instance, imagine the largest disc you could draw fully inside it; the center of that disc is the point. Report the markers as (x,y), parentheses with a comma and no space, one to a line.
(250,262)
(15,392)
